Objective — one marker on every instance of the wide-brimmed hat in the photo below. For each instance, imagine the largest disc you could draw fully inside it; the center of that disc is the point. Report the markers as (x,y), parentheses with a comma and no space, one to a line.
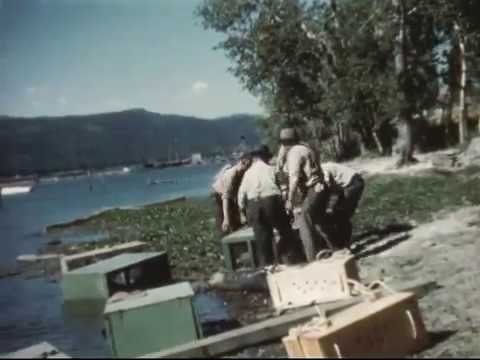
(288,134)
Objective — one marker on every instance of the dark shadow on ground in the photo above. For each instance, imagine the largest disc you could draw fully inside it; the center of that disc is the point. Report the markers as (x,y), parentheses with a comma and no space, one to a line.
(382,232)
(390,243)
(438,337)
(367,239)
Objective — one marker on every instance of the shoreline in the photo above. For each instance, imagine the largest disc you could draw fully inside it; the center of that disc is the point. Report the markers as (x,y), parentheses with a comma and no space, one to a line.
(438,212)
(103,212)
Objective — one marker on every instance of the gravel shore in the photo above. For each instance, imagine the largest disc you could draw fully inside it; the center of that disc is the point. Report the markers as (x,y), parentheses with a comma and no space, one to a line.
(445,250)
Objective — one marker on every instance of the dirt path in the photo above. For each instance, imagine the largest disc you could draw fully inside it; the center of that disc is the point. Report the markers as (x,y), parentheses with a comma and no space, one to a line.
(386,165)
(445,250)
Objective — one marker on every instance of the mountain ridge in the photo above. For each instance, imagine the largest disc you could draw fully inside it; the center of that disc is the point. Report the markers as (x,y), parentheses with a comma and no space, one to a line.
(46,144)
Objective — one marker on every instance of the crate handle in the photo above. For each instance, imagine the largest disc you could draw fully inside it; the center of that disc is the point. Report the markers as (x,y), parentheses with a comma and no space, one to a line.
(337,350)
(324,254)
(412,323)
(383,285)
(368,290)
(328,253)
(362,289)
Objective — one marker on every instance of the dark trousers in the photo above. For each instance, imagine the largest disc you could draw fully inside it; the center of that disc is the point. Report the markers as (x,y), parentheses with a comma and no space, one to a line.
(234,214)
(353,193)
(313,232)
(264,215)
(341,220)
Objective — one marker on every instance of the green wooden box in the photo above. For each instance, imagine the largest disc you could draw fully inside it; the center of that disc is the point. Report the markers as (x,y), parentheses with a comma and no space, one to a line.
(152,321)
(237,243)
(126,272)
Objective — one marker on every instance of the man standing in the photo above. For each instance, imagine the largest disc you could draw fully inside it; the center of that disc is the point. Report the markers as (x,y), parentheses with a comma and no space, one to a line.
(225,190)
(306,183)
(350,184)
(261,197)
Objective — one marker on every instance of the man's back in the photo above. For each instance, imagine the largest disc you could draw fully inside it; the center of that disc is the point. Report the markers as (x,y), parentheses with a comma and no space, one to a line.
(259,181)
(340,174)
(224,180)
(301,162)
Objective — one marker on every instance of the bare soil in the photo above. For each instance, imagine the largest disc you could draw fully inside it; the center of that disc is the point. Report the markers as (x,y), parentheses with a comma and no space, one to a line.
(445,250)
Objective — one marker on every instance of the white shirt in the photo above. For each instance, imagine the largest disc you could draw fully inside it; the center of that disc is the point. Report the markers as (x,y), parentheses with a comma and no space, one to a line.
(258,182)
(341,174)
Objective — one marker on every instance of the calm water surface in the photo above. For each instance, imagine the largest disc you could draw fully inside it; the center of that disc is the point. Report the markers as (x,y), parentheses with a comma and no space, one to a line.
(31,310)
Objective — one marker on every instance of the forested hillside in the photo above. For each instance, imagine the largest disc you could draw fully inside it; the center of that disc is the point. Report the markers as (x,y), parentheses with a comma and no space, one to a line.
(42,145)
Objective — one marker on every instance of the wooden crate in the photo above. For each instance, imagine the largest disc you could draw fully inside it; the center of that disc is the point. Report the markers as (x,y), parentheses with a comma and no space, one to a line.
(320,281)
(390,326)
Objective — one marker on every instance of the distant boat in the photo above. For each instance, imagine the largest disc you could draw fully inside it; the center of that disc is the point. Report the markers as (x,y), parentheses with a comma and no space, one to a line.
(15,190)
(165,181)
(16,187)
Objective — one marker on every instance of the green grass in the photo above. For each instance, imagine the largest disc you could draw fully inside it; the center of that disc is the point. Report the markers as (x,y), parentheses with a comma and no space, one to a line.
(399,199)
(187,230)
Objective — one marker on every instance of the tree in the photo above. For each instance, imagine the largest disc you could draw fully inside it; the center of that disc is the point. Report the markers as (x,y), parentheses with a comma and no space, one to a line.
(415,65)
(337,69)
(458,22)
(273,53)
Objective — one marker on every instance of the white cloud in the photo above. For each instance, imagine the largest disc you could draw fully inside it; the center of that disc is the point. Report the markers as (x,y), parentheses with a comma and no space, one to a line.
(199,87)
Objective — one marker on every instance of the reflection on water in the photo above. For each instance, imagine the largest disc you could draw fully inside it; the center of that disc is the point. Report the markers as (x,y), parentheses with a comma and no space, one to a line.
(32,310)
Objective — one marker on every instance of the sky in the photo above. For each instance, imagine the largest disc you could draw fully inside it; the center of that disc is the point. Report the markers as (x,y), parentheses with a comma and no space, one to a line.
(60,57)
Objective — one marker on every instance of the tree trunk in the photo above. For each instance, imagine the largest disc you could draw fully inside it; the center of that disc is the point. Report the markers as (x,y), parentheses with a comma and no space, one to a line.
(363,144)
(375,136)
(405,128)
(462,125)
(405,142)
(378,143)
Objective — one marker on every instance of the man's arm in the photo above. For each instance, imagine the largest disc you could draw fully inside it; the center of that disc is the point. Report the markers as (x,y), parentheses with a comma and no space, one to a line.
(294,169)
(242,197)
(226,214)
(226,196)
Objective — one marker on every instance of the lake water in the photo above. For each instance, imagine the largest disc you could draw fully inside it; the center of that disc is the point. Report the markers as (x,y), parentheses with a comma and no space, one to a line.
(32,310)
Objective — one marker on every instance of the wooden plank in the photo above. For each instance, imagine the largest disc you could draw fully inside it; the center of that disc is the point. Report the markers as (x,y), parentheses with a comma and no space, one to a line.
(36,258)
(71,261)
(268,330)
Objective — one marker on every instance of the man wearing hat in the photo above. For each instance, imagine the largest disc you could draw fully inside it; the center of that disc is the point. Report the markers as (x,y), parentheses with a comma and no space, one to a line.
(225,190)
(260,197)
(306,182)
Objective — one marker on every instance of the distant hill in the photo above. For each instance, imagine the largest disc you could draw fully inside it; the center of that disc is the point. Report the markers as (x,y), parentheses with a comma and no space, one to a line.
(47,144)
